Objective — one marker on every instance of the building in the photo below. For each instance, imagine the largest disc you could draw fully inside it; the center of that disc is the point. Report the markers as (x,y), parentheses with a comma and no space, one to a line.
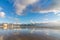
(5,26)
(9,26)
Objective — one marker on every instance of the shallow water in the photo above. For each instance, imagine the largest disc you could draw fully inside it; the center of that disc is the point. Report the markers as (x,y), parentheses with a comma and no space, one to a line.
(32,33)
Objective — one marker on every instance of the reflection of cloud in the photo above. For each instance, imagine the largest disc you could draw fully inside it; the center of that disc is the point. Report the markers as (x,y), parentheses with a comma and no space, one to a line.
(2,14)
(47,31)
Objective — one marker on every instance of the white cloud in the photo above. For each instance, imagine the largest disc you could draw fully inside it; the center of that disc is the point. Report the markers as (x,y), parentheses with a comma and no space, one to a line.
(58,14)
(16,20)
(37,6)
(53,6)
(52,23)
(21,5)
(2,14)
(46,19)
(32,21)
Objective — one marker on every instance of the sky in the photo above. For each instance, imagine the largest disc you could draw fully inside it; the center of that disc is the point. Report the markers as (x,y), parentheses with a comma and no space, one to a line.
(29,11)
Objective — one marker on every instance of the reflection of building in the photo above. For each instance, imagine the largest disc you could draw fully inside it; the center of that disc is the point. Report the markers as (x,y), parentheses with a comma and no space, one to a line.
(10,26)
(1,37)
(13,26)
(1,26)
(16,26)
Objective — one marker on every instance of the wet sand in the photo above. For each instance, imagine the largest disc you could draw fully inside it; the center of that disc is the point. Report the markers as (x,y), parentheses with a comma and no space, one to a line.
(30,37)
(26,35)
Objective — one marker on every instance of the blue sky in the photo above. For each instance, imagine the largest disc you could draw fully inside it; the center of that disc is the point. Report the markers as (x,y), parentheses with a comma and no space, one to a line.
(29,11)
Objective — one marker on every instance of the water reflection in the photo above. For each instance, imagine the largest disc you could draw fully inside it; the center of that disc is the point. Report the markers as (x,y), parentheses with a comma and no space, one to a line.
(31,34)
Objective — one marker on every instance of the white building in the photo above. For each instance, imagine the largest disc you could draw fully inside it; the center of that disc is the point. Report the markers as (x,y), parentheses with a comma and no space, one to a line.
(9,26)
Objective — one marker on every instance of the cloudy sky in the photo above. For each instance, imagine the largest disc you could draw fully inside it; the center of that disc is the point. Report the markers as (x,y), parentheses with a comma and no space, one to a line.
(29,11)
